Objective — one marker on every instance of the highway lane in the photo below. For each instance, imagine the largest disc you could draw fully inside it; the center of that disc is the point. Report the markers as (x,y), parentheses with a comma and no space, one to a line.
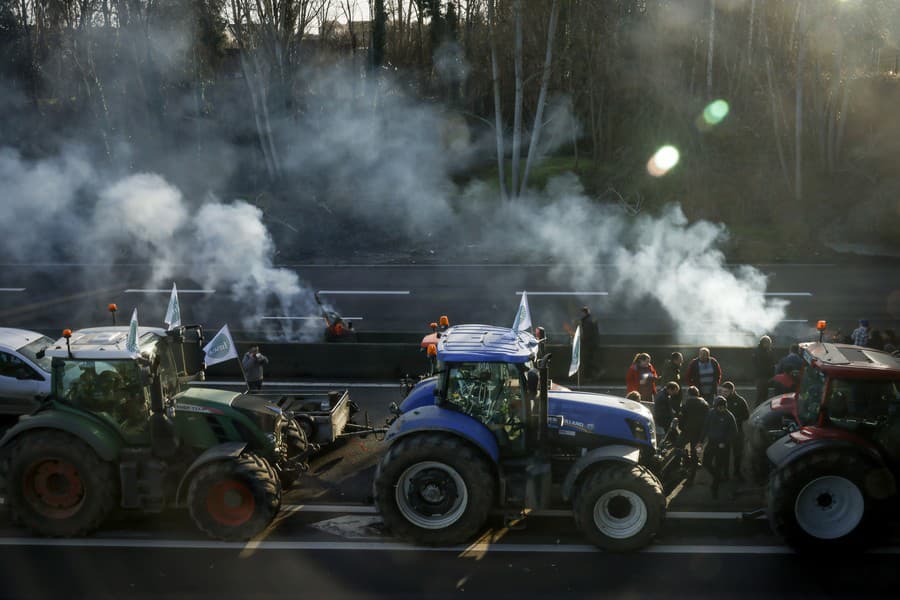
(408,297)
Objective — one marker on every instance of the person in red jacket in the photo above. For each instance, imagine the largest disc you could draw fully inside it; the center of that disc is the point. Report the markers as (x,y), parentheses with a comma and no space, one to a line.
(641,377)
(704,373)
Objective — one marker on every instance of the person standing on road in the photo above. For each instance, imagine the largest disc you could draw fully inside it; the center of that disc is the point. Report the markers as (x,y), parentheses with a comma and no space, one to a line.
(252,363)
(721,431)
(738,408)
(860,335)
(671,371)
(790,362)
(666,406)
(763,368)
(641,377)
(704,373)
(694,412)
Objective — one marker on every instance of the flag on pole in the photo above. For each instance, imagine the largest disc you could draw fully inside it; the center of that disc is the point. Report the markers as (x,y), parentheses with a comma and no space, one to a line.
(131,342)
(523,315)
(220,348)
(576,352)
(173,313)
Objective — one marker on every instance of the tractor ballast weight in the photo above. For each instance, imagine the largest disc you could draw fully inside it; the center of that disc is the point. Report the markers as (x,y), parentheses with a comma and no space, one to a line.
(480,435)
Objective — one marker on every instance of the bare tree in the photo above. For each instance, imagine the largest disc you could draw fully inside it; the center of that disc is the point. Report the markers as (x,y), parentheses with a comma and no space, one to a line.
(498,114)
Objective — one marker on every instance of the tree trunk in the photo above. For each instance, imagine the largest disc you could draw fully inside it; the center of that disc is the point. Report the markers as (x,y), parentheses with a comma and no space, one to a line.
(498,114)
(750,33)
(517,110)
(710,52)
(542,97)
(798,116)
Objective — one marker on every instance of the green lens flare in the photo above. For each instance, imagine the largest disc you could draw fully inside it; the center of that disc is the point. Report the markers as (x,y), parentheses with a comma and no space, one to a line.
(715,112)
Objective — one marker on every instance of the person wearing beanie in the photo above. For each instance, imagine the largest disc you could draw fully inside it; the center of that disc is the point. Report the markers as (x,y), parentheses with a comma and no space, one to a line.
(721,431)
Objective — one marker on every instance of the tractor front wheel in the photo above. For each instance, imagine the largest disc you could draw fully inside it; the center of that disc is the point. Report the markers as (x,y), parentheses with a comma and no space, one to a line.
(434,489)
(58,486)
(620,507)
(234,499)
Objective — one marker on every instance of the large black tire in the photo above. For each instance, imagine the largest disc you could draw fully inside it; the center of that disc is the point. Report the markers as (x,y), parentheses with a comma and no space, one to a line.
(620,507)
(58,486)
(234,499)
(297,448)
(824,500)
(434,489)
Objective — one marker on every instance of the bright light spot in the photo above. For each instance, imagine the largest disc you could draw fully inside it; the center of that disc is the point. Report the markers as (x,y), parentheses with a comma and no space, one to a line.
(663,161)
(715,112)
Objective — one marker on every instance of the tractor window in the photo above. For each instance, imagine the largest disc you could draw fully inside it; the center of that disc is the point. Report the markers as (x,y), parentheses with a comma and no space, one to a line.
(113,389)
(855,402)
(491,393)
(810,395)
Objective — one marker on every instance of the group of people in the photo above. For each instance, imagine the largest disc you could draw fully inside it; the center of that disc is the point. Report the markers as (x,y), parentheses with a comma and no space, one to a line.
(709,410)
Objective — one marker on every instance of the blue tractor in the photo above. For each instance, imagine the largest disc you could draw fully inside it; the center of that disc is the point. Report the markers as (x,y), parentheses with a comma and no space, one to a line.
(487,432)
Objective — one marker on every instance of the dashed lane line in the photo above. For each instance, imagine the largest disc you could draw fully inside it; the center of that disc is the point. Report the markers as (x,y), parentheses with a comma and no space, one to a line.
(12,289)
(519,293)
(365,292)
(315,318)
(169,291)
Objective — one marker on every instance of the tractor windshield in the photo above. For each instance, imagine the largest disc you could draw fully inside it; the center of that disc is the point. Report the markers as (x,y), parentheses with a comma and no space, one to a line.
(115,389)
(853,402)
(489,392)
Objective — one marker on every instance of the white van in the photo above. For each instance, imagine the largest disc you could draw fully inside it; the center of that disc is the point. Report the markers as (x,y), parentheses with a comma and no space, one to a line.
(24,378)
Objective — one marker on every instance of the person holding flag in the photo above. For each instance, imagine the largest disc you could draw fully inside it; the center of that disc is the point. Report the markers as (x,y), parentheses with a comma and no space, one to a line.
(252,365)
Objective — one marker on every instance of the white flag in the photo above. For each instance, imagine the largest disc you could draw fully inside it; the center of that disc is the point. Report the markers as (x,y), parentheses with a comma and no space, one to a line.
(173,313)
(220,348)
(523,315)
(576,353)
(131,342)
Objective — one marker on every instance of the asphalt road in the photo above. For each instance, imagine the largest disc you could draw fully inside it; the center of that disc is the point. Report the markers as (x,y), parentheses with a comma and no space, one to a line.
(328,542)
(49,297)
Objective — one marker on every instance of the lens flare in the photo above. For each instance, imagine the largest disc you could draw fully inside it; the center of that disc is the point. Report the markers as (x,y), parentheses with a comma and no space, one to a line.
(715,112)
(663,161)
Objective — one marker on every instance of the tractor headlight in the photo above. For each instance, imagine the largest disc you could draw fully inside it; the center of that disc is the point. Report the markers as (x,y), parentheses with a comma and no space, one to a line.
(640,430)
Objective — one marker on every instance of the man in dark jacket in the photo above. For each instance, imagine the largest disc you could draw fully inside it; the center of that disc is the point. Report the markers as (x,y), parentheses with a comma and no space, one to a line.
(666,406)
(721,430)
(763,368)
(252,364)
(671,371)
(705,374)
(590,337)
(694,411)
(737,406)
(792,361)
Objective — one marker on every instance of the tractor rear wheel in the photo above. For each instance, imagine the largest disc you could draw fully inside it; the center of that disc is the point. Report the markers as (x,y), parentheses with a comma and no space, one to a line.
(823,500)
(620,507)
(58,486)
(234,499)
(434,489)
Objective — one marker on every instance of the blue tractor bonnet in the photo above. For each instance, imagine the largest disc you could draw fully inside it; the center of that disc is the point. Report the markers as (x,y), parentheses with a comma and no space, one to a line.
(486,343)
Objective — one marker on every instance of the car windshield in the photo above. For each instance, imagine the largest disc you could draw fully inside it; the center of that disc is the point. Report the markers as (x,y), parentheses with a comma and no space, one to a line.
(31,350)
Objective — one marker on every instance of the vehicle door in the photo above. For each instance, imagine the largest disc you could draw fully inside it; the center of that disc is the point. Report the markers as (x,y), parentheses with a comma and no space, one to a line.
(20,385)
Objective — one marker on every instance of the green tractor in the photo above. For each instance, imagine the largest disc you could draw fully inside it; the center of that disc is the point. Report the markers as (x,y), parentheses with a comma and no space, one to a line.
(121,429)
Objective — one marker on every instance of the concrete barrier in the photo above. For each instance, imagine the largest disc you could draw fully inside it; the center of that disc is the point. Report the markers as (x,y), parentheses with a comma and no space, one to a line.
(387,361)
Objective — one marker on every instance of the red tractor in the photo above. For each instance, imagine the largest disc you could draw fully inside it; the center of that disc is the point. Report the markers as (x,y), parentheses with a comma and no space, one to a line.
(834,475)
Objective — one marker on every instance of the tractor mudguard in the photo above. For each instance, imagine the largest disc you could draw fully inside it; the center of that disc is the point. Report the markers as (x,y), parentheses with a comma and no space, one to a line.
(429,419)
(105,442)
(420,396)
(220,452)
(614,453)
(787,449)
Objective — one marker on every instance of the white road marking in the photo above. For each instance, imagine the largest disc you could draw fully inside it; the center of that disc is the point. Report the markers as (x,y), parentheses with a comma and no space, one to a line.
(519,293)
(794,321)
(168,291)
(366,292)
(12,289)
(788,294)
(351,509)
(392,546)
(316,318)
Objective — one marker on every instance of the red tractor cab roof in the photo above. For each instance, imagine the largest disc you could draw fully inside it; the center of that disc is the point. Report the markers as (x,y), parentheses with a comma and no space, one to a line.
(845,361)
